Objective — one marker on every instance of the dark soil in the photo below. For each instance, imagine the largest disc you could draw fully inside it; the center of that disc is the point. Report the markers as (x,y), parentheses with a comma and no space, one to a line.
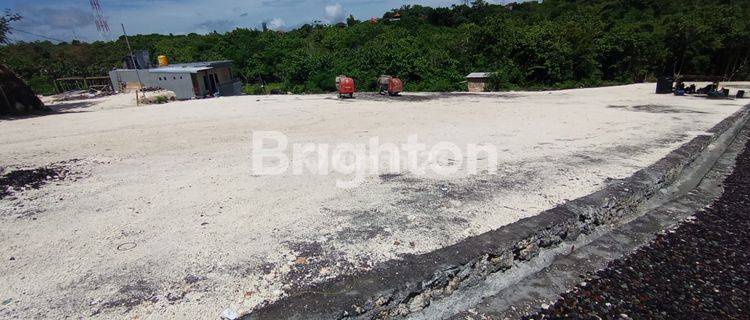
(18,180)
(699,270)
(655,108)
(409,97)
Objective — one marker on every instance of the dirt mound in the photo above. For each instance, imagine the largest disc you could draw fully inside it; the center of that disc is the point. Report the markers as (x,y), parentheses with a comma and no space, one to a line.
(17,98)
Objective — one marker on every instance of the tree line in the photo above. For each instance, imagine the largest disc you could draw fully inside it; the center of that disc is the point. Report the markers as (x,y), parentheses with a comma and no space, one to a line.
(549,44)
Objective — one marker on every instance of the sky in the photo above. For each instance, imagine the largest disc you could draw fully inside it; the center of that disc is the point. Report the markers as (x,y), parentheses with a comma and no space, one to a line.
(73,19)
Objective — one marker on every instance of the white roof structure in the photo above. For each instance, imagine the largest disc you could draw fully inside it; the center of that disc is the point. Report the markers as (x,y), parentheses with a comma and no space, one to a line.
(177,69)
(192,67)
(478,75)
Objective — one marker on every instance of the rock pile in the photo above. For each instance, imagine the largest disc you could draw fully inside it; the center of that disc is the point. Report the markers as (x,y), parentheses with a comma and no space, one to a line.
(17,98)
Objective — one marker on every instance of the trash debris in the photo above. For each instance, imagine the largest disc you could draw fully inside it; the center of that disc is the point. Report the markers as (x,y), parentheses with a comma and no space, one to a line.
(190,279)
(126,246)
(300,260)
(171,296)
(229,314)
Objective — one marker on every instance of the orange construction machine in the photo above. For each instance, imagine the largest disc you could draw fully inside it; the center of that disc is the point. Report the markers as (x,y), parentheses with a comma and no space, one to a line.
(390,84)
(345,86)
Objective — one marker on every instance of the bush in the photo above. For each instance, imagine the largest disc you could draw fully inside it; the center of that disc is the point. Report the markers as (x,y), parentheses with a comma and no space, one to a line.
(275,86)
(161,99)
(254,89)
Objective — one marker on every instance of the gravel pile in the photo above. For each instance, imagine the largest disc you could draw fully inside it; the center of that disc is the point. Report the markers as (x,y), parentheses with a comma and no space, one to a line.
(699,270)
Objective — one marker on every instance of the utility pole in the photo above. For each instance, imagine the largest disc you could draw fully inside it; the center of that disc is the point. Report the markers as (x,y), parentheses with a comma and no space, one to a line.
(132,59)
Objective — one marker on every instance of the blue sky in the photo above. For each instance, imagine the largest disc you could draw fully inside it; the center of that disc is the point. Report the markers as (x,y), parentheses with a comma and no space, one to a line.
(72,19)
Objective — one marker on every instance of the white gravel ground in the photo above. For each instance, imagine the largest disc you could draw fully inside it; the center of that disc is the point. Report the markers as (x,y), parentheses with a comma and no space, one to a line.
(174,183)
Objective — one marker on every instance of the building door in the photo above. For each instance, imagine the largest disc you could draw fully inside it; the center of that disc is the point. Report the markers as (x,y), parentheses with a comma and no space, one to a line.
(210,83)
(213,84)
(206,84)
(216,81)
(196,87)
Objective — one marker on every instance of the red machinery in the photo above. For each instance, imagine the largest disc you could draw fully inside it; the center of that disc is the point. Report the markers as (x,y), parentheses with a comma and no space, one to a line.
(345,86)
(390,84)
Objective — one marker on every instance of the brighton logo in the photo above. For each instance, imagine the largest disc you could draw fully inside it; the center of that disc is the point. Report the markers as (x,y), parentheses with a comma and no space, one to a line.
(272,155)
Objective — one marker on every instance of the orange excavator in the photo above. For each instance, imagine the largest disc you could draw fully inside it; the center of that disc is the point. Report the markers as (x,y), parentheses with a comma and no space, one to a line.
(392,85)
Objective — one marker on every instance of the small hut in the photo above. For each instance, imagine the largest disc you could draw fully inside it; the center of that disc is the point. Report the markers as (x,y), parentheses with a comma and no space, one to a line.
(477,81)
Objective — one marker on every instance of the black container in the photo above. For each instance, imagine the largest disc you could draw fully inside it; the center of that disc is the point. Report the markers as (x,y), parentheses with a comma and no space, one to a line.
(740,93)
(664,85)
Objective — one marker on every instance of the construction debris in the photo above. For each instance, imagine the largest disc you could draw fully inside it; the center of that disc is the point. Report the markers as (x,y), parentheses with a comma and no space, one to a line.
(81,95)
(156,97)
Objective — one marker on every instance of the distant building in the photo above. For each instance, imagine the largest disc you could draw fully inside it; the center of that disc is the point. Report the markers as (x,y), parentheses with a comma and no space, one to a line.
(186,80)
(477,81)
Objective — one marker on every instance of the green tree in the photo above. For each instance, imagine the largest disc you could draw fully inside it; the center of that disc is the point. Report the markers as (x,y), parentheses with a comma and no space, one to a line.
(548,44)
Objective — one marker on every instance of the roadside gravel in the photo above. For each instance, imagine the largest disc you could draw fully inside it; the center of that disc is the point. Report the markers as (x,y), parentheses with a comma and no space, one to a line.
(699,270)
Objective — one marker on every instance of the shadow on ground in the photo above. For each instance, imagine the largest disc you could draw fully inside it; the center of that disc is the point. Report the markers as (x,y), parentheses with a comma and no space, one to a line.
(60,108)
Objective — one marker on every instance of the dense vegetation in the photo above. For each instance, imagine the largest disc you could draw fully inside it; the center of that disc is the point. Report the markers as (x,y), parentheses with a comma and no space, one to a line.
(556,43)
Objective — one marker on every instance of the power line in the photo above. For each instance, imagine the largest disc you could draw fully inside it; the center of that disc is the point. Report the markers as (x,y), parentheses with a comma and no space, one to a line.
(38,35)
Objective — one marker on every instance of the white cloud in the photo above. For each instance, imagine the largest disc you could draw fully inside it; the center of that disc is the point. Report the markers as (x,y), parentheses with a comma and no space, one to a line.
(65,19)
(216,25)
(335,13)
(276,24)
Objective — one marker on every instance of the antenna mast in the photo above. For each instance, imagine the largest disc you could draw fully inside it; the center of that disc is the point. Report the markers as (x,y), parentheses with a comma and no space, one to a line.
(101,22)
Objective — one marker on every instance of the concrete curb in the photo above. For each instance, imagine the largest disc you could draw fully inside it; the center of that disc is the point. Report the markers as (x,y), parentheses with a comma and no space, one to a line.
(399,287)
